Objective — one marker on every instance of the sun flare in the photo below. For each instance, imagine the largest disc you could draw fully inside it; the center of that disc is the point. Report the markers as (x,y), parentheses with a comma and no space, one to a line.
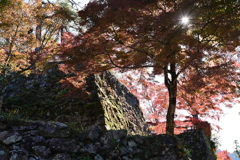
(185,20)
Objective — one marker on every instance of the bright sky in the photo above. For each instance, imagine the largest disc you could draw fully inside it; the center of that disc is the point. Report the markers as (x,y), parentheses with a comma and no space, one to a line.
(229,122)
(230,128)
(82,2)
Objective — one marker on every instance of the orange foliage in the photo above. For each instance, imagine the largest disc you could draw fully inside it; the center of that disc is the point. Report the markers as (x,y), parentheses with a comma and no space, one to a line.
(182,126)
(223,155)
(137,34)
(153,97)
(20,49)
(28,35)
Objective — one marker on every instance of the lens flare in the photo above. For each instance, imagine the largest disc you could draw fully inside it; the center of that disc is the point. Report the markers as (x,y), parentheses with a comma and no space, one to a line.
(185,20)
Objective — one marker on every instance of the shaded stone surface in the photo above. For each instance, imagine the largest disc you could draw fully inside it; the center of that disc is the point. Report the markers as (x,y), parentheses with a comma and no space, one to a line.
(96,144)
(198,145)
(113,124)
(121,107)
(40,96)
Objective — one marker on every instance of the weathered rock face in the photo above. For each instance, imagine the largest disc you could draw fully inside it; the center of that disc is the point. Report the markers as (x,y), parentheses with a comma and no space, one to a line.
(41,97)
(121,108)
(25,140)
(111,107)
(198,145)
(38,96)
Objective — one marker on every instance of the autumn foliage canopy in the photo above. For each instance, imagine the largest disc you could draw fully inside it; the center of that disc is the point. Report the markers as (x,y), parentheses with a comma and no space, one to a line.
(195,59)
(29,34)
(146,39)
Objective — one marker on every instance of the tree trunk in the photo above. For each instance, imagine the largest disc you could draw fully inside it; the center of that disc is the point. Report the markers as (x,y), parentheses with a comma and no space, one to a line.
(38,33)
(171,84)
(61,33)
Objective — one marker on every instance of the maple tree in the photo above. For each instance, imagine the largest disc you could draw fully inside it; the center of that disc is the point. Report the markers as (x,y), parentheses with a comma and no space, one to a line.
(29,34)
(194,58)
(223,155)
(153,97)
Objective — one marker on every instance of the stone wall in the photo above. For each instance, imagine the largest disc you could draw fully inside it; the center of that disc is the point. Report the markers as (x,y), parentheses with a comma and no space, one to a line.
(26,140)
(198,145)
(116,123)
(40,96)
(121,108)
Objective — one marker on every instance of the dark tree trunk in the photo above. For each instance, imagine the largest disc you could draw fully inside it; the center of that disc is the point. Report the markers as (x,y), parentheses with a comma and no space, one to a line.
(61,34)
(39,26)
(171,84)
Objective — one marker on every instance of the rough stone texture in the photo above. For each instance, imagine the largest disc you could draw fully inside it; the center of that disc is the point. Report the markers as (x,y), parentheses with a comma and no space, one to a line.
(121,108)
(40,97)
(95,144)
(198,145)
(111,107)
